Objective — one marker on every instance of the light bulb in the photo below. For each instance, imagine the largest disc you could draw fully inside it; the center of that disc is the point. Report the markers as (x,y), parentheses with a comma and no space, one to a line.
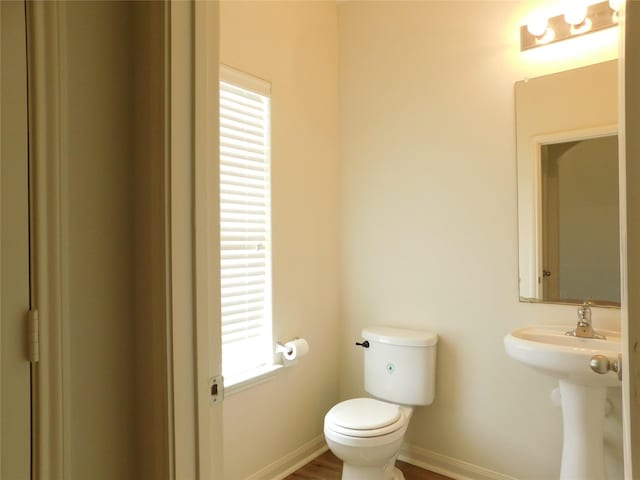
(537,25)
(576,13)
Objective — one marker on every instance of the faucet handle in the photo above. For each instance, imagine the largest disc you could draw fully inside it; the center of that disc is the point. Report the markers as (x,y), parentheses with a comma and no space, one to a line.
(584,312)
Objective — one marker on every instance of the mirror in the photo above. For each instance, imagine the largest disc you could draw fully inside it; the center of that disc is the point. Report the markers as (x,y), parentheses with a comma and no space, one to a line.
(568,207)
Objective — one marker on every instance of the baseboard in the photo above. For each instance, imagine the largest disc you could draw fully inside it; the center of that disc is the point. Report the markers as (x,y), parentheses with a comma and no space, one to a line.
(418,456)
(451,467)
(291,462)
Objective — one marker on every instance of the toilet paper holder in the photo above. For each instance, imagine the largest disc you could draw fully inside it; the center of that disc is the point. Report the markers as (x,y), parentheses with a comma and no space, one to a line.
(281,348)
(292,350)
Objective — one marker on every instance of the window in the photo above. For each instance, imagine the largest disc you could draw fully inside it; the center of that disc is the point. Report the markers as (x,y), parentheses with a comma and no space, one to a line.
(245,225)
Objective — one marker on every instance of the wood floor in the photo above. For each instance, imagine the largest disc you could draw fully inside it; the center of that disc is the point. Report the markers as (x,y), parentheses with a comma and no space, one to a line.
(328,467)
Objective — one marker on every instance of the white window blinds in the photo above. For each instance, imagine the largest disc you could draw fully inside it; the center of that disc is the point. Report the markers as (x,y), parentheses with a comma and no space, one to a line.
(245,223)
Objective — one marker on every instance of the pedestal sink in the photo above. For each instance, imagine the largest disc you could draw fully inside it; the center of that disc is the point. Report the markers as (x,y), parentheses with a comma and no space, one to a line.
(548,350)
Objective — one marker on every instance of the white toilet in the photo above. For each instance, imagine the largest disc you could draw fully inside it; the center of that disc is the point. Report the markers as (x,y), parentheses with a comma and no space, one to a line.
(366,433)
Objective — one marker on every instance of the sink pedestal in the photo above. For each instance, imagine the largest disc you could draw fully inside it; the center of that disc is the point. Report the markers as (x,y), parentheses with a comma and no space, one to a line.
(583,421)
(584,393)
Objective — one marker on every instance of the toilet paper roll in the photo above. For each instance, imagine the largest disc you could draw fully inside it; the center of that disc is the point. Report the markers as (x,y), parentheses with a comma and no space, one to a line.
(296,348)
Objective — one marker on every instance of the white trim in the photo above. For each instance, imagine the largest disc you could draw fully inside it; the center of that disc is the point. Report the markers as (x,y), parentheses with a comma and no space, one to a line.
(574,135)
(206,235)
(629,403)
(250,82)
(196,422)
(449,466)
(250,379)
(291,462)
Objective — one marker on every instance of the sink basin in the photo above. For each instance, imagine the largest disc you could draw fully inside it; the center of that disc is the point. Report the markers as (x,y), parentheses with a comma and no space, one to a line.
(583,392)
(549,350)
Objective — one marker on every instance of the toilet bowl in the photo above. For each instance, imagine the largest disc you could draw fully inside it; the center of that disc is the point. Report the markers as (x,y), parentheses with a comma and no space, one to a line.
(367,433)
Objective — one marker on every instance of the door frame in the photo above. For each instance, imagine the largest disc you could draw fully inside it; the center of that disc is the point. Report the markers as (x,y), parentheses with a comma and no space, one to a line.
(190,314)
(206,232)
(629,153)
(194,230)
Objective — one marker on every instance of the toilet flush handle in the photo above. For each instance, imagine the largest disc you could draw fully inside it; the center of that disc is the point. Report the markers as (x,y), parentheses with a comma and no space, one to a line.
(364,344)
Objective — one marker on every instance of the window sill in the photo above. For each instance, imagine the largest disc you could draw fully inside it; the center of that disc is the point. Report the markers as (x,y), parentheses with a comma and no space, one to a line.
(249,379)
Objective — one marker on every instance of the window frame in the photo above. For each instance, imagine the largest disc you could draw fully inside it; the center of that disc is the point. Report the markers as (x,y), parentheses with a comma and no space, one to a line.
(241,380)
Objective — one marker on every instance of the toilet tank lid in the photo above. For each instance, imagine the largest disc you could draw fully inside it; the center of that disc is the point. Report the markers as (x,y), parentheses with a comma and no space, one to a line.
(400,336)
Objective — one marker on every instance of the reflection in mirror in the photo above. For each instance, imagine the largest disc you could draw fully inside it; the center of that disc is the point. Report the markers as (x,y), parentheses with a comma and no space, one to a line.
(568,207)
(580,211)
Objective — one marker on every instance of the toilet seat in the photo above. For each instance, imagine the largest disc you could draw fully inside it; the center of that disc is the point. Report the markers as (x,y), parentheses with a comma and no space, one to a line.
(365,418)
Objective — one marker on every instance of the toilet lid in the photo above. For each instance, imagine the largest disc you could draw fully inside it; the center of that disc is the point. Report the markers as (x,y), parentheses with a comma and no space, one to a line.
(364,414)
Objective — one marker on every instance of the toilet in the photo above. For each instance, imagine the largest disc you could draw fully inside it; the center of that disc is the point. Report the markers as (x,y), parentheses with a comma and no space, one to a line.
(367,433)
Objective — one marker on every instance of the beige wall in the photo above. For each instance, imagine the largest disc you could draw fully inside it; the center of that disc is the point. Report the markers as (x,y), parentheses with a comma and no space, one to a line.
(294,46)
(429,218)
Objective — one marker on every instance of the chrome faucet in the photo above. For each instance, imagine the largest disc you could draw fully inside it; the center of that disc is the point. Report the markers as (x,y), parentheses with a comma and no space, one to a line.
(583,328)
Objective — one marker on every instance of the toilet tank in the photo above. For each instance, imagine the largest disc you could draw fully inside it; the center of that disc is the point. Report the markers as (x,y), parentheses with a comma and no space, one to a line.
(400,365)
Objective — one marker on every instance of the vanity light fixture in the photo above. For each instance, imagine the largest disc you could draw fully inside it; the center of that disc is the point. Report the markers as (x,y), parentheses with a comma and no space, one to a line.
(576,14)
(538,26)
(578,19)
(615,6)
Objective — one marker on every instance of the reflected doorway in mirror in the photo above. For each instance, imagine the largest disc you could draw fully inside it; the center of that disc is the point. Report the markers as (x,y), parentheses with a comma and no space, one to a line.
(580,228)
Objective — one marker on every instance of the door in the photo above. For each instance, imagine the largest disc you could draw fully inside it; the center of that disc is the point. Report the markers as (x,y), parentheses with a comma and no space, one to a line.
(15,370)
(630,231)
